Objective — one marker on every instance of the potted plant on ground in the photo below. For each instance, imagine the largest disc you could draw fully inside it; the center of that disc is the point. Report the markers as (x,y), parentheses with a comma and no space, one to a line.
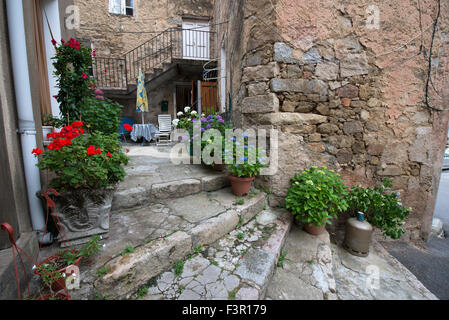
(86,167)
(243,169)
(185,121)
(382,207)
(53,269)
(315,197)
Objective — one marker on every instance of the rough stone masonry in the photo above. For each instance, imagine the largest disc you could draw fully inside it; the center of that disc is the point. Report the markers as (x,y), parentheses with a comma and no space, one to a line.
(344,83)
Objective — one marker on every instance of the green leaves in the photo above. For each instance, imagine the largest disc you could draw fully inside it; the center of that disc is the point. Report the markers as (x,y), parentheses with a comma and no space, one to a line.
(75,169)
(316,195)
(381,206)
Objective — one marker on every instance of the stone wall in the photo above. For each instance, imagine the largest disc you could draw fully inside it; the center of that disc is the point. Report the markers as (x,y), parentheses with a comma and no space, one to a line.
(113,35)
(343,93)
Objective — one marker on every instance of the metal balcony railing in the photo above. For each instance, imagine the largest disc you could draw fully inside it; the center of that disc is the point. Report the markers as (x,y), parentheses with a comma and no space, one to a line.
(173,43)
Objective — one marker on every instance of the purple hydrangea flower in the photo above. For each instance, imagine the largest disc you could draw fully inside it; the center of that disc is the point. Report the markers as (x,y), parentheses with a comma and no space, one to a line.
(208,126)
(100,97)
(203,120)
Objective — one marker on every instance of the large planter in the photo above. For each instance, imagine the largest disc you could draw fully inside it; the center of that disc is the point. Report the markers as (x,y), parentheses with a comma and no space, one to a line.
(240,186)
(82,214)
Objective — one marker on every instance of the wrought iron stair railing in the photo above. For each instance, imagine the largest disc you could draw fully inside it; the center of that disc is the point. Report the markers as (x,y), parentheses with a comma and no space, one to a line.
(173,43)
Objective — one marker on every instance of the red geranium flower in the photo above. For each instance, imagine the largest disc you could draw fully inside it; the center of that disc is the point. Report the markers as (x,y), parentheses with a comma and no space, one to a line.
(109,155)
(37,151)
(128,127)
(91,150)
(127,150)
(84,75)
(98,151)
(94,54)
(77,124)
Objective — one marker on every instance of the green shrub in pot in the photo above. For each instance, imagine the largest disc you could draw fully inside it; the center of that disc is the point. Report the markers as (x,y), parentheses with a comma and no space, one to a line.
(316,196)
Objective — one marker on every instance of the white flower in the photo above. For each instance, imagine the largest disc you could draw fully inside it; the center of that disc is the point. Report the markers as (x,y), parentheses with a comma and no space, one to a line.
(175,122)
(180,113)
(194,112)
(186,109)
(203,115)
(34,267)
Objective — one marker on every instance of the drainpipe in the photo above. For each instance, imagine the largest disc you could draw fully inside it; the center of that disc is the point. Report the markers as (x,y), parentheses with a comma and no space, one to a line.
(27,127)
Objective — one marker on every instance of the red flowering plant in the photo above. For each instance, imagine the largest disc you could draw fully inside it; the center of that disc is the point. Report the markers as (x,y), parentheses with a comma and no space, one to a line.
(82,160)
(72,62)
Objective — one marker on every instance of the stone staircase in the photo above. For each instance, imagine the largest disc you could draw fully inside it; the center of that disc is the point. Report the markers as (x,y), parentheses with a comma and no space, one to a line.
(166,215)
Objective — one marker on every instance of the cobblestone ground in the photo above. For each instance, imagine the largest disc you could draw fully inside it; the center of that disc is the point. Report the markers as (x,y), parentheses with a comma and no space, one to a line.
(215,271)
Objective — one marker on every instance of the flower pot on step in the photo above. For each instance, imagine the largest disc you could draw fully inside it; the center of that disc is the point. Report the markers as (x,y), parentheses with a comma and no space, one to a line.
(82,214)
(240,186)
(314,230)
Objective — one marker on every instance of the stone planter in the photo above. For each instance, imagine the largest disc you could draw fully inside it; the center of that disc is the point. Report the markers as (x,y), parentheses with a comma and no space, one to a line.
(82,214)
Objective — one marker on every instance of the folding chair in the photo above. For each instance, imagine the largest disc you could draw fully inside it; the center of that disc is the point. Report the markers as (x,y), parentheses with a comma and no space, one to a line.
(165,129)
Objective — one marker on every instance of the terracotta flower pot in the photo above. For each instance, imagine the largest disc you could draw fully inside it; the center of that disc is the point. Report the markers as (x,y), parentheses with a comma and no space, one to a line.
(240,186)
(218,167)
(314,230)
(58,284)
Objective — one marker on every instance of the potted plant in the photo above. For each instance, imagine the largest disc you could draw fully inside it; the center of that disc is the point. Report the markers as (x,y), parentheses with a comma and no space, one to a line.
(53,269)
(243,169)
(215,121)
(48,124)
(382,207)
(185,121)
(86,168)
(315,197)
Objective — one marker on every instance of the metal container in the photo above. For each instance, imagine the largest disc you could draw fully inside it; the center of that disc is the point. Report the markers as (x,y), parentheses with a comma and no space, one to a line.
(358,235)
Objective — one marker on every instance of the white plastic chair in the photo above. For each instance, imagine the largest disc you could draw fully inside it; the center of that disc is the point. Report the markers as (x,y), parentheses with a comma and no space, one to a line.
(165,128)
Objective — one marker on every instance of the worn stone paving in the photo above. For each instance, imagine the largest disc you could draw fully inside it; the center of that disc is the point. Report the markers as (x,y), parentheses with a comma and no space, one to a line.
(316,268)
(224,269)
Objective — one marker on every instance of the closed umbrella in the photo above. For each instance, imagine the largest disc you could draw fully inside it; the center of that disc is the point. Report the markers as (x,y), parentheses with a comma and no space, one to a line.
(142,99)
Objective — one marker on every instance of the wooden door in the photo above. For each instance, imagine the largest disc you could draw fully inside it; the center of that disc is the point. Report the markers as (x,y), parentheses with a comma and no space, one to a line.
(209,97)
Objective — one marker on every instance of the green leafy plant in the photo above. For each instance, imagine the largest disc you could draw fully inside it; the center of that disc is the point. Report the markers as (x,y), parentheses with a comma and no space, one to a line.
(249,163)
(282,258)
(101,114)
(102,271)
(127,250)
(181,289)
(382,207)
(49,120)
(240,201)
(86,251)
(240,236)
(179,267)
(232,294)
(72,62)
(142,292)
(316,195)
(48,274)
(82,160)
(198,249)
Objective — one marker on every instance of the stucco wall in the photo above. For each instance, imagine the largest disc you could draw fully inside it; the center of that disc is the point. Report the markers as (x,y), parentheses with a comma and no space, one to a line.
(345,94)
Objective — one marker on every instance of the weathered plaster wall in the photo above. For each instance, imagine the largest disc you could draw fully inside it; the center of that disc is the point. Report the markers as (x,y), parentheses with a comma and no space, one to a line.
(113,35)
(344,94)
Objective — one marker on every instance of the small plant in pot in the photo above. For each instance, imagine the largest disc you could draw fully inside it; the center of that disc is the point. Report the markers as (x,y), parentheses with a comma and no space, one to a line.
(86,167)
(53,269)
(215,121)
(315,197)
(245,167)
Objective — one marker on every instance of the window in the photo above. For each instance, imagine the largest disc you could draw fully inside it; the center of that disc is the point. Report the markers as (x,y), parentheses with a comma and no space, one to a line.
(125,7)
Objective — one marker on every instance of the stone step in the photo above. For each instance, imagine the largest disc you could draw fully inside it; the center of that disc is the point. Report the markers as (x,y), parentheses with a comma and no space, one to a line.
(307,270)
(167,231)
(237,266)
(146,191)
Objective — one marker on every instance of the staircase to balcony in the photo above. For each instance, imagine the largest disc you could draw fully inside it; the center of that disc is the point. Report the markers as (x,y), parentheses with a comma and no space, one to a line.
(159,59)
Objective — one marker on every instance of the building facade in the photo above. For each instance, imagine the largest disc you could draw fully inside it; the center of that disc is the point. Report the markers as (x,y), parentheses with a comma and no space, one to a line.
(346,85)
